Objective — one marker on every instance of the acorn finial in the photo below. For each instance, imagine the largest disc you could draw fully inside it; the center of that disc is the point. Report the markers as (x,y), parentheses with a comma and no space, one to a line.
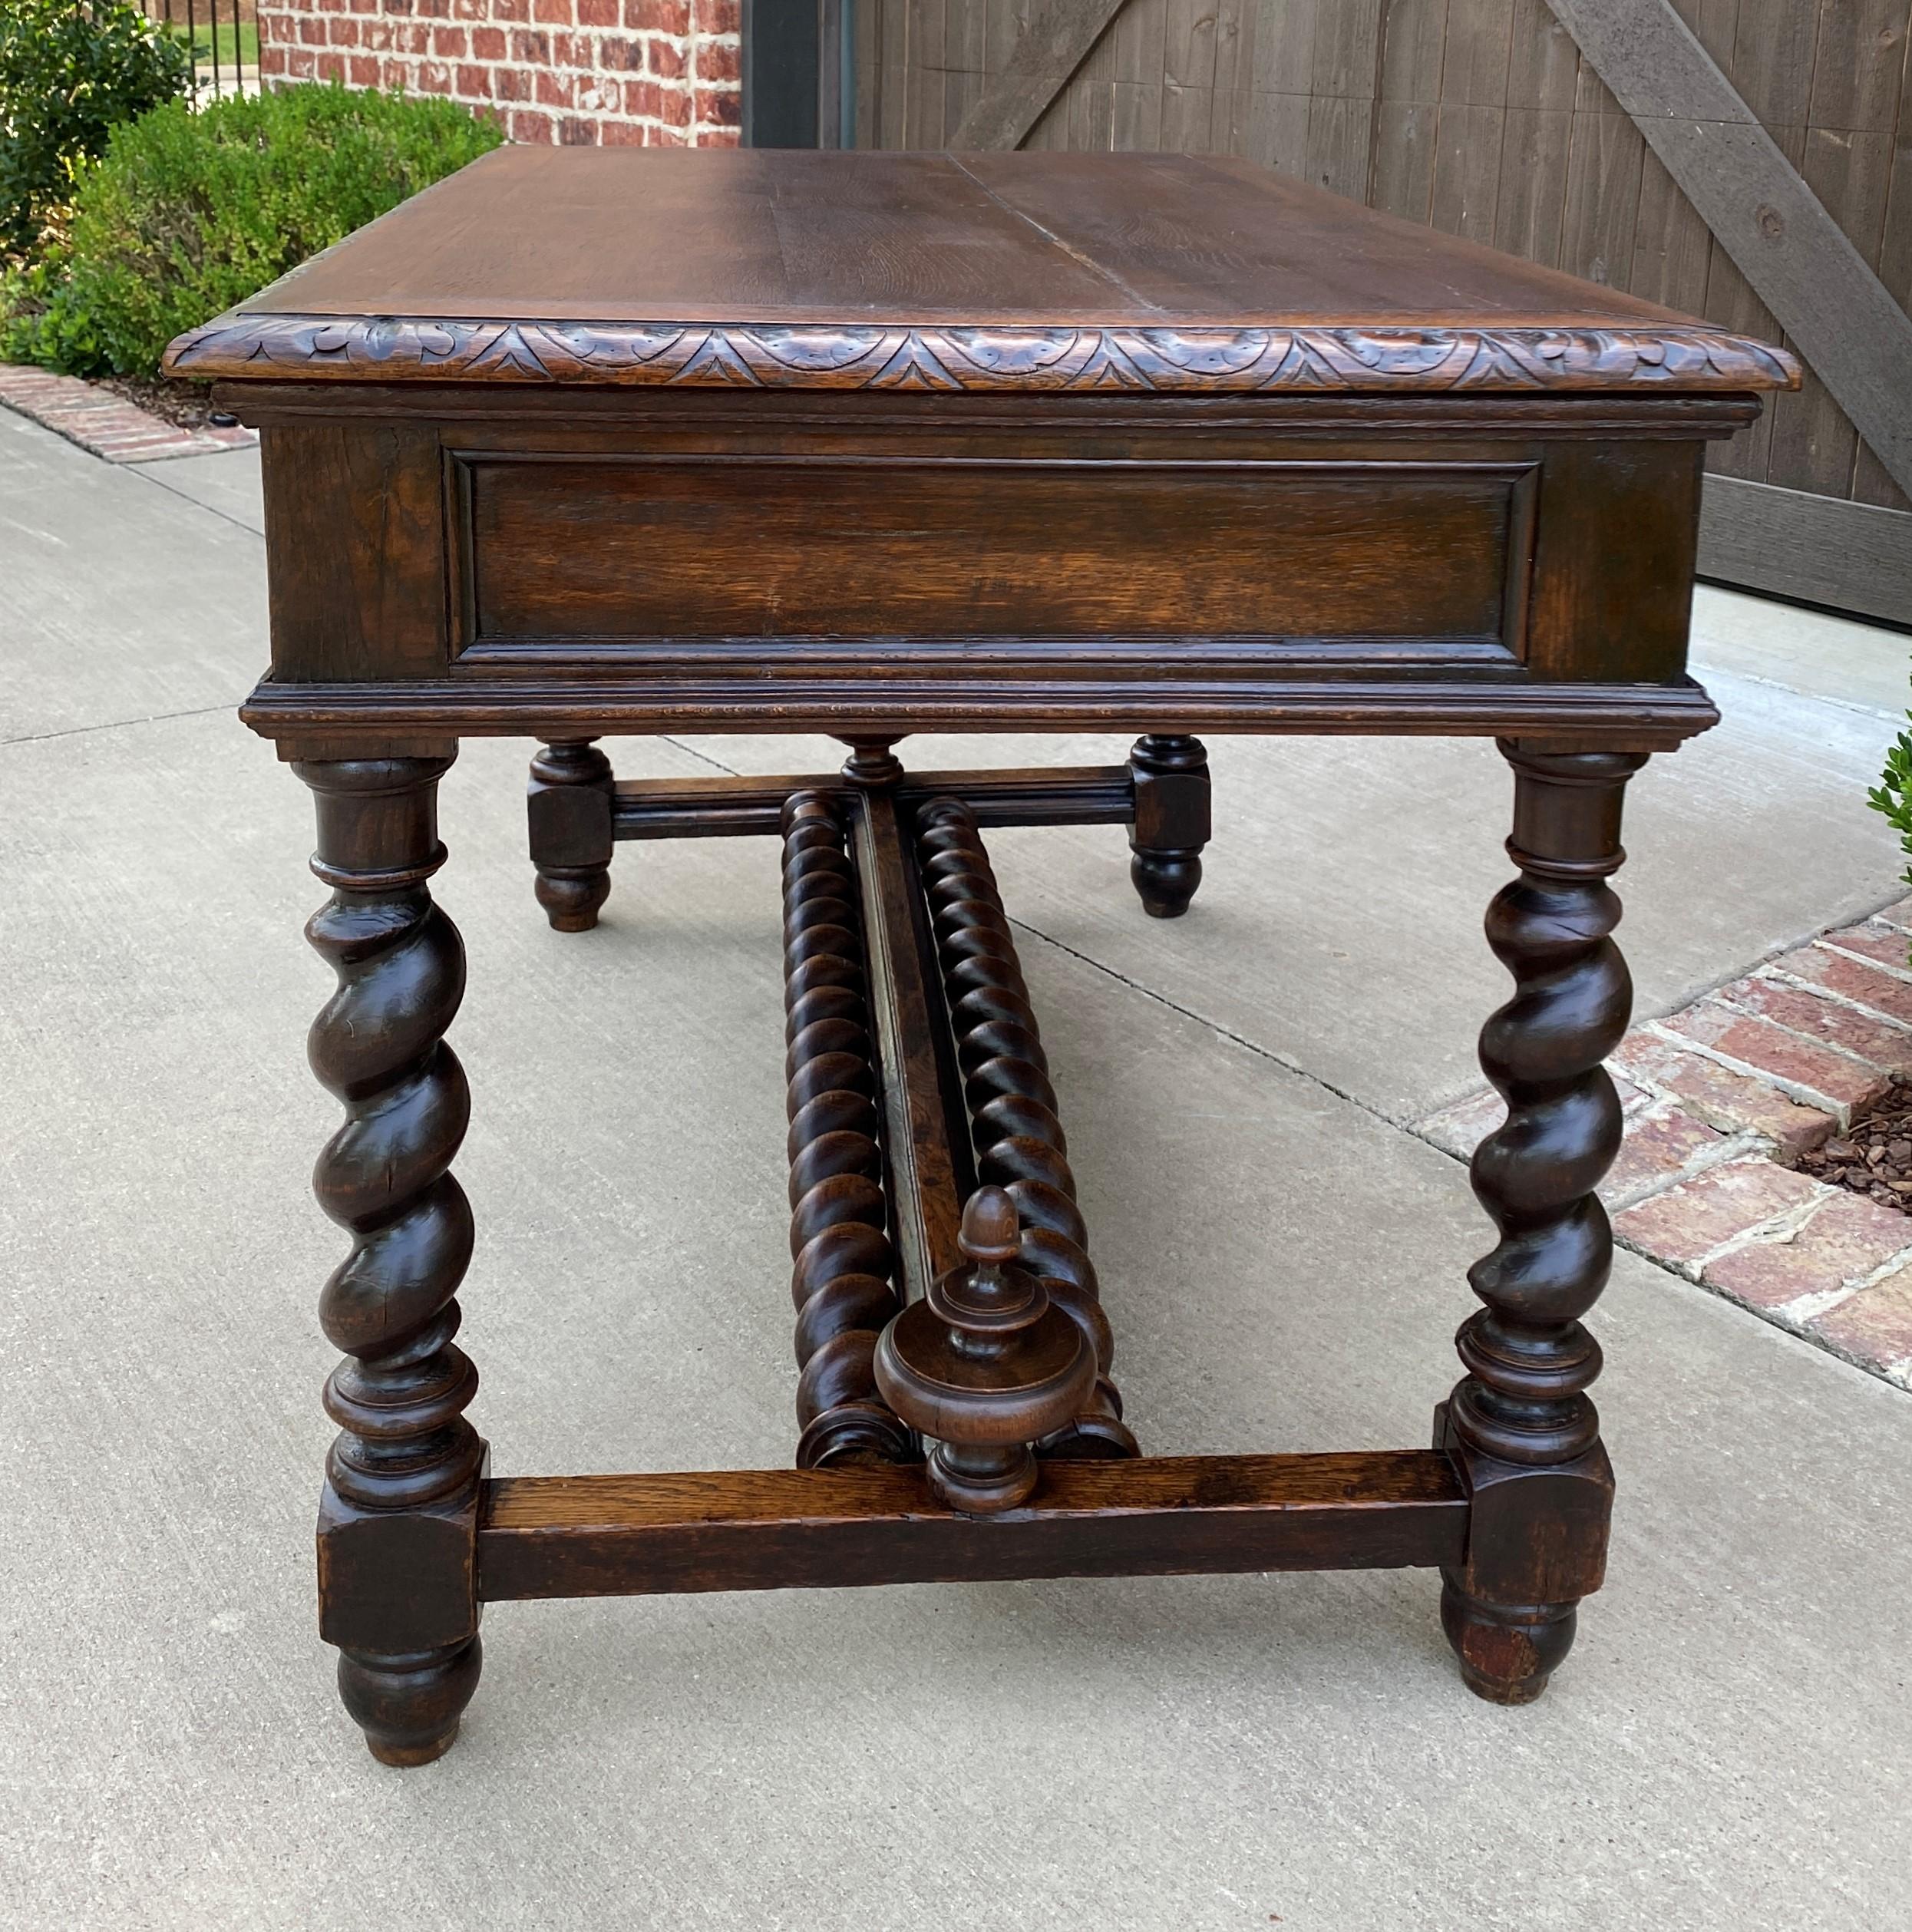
(990,1234)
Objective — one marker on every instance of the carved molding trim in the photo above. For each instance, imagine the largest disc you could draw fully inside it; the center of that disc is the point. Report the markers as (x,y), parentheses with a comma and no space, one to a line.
(1628,716)
(1174,360)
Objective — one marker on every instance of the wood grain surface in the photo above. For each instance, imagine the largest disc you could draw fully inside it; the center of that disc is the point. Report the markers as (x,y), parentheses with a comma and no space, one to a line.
(843,269)
(775,1529)
(860,547)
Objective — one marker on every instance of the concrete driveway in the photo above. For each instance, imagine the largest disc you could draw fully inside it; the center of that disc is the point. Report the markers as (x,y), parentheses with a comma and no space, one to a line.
(1283,1260)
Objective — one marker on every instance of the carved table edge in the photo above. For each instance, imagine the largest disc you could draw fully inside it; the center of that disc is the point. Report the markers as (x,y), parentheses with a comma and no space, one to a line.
(980,358)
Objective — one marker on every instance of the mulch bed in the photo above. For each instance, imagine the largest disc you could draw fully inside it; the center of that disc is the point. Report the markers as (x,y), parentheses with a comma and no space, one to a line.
(1873,1157)
(185,405)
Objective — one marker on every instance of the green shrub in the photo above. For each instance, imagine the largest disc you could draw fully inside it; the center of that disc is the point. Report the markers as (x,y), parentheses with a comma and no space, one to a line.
(1893,794)
(189,211)
(70,72)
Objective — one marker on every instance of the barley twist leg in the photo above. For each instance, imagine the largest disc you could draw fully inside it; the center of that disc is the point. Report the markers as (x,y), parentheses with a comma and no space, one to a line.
(397,1526)
(1521,1424)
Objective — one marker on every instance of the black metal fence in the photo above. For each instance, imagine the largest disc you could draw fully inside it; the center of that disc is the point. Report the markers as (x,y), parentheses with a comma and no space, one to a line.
(219,37)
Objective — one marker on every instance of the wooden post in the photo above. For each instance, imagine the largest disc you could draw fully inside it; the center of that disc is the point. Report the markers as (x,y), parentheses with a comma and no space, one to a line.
(1520,1425)
(397,1526)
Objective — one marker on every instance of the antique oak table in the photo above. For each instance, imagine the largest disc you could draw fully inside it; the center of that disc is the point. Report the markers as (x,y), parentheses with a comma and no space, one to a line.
(586,443)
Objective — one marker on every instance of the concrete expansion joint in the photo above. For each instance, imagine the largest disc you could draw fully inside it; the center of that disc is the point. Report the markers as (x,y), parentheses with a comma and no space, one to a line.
(1835,701)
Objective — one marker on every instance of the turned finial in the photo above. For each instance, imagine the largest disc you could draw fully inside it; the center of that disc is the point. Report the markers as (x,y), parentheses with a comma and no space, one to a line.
(992,1297)
(990,1233)
(985,1365)
(871,765)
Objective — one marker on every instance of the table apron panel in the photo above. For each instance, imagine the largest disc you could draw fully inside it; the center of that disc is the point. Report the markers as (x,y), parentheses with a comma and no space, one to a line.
(728,558)
(1072,561)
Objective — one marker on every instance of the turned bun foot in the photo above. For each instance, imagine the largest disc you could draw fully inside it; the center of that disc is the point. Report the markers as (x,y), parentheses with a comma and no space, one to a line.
(571,812)
(1172,824)
(1165,882)
(571,899)
(408,1707)
(1506,1652)
(407,1757)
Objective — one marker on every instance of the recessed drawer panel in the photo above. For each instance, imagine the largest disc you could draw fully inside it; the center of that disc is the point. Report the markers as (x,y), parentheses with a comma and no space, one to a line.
(1131,554)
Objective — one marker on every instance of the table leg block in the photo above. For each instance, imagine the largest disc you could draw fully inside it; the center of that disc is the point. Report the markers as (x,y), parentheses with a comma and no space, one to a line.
(569,810)
(398,1593)
(1172,818)
(1537,1544)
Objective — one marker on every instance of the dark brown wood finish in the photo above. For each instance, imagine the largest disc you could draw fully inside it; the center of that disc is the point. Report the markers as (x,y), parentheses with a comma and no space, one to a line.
(1648,717)
(894,552)
(568,809)
(1432,573)
(583,443)
(397,1583)
(785,1529)
(844,1274)
(1089,795)
(1172,821)
(986,1366)
(1002,271)
(1519,1423)
(925,1149)
(366,601)
(1011,1112)
(575,817)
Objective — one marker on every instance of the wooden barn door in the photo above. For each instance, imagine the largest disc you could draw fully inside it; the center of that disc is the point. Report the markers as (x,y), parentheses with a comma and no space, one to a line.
(1747,160)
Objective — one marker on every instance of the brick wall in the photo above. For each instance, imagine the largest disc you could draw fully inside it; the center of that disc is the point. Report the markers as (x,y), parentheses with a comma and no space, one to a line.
(641,72)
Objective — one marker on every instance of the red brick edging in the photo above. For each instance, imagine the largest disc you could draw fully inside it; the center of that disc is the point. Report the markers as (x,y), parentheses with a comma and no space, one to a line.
(1719,1095)
(107,425)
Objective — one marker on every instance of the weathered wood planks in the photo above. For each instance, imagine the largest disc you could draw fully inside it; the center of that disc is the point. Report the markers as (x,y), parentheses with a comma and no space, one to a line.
(1488,118)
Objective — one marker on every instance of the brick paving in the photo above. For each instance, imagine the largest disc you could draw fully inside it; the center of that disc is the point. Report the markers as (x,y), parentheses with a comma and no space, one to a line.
(1733,1102)
(1722,1096)
(110,426)
(1841,1083)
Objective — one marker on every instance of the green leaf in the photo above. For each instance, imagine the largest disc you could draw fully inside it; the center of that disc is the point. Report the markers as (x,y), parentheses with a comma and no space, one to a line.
(188,211)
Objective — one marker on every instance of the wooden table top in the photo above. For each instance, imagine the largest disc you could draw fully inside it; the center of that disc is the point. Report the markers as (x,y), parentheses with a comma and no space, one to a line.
(801,268)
